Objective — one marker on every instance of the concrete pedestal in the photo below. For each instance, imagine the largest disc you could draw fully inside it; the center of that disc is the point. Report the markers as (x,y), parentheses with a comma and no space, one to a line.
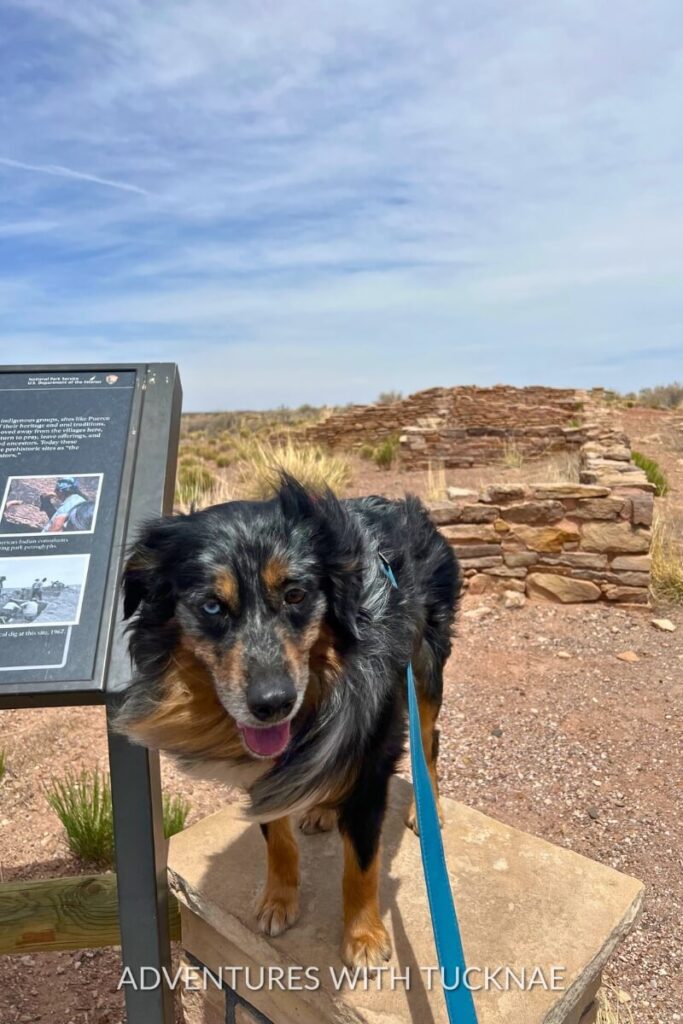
(542,920)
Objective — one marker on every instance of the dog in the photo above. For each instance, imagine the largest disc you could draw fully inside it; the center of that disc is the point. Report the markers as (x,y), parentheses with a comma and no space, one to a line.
(270,651)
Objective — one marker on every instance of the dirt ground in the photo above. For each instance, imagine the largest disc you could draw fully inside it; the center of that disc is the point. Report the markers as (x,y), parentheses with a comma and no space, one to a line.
(544,727)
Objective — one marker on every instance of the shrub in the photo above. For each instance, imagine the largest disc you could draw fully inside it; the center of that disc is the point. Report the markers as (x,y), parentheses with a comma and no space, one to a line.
(653,472)
(664,396)
(389,397)
(3,764)
(667,561)
(262,463)
(385,453)
(83,805)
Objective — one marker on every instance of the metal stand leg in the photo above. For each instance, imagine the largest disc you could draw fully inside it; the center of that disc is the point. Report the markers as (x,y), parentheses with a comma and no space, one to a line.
(141,877)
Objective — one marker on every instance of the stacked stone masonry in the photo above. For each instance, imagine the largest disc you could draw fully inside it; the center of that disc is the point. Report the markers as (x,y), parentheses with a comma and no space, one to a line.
(564,542)
(463,426)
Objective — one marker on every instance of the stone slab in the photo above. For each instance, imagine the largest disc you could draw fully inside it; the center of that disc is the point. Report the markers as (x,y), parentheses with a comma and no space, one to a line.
(522,903)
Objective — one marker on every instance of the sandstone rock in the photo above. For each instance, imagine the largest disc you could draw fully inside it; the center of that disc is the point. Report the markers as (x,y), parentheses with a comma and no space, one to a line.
(457,493)
(518,559)
(547,538)
(478,513)
(482,612)
(575,559)
(628,656)
(631,563)
(561,588)
(628,579)
(499,494)
(479,584)
(476,550)
(617,537)
(521,901)
(481,563)
(533,512)
(666,625)
(513,599)
(632,595)
(465,532)
(598,508)
(507,572)
(642,506)
(444,514)
(513,584)
(500,526)
(569,490)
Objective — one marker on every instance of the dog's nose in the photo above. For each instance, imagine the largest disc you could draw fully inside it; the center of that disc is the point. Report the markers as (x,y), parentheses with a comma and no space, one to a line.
(271,698)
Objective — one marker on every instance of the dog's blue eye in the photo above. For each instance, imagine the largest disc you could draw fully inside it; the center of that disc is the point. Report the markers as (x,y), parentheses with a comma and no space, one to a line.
(212,607)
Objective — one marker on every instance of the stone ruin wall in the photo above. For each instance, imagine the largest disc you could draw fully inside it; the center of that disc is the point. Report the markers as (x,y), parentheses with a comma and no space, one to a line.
(463,426)
(563,542)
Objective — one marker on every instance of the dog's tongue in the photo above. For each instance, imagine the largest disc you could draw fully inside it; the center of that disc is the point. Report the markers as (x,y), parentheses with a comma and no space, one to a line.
(267,742)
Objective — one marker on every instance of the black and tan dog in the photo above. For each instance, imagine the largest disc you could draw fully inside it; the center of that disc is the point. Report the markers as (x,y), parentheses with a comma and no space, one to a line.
(270,651)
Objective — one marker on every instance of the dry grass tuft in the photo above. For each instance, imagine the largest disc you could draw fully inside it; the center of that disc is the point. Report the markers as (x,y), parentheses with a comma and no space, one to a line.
(667,559)
(436,488)
(198,486)
(613,1006)
(262,462)
(563,468)
(513,456)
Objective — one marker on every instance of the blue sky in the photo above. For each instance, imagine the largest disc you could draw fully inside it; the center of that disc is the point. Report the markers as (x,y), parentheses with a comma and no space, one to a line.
(316,201)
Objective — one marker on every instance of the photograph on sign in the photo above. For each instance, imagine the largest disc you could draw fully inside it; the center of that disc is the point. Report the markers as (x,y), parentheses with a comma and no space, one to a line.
(50,504)
(42,590)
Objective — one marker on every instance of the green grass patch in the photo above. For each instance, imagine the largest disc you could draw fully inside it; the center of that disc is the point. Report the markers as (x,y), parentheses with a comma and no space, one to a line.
(83,805)
(653,472)
(3,764)
(383,454)
(176,810)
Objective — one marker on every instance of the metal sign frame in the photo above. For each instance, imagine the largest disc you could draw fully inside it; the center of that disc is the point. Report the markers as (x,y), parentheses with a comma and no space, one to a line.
(146,490)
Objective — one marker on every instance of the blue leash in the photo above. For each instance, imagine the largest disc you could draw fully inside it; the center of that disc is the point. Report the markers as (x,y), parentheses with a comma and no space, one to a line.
(459,1002)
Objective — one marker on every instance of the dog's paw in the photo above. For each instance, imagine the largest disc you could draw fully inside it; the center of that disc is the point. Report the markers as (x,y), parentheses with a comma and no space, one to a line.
(318,819)
(366,947)
(411,817)
(277,911)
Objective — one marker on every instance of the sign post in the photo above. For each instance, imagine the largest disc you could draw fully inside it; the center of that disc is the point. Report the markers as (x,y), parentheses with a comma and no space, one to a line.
(87,454)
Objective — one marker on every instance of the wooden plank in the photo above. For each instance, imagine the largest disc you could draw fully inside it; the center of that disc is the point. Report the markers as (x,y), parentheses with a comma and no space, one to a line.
(78,912)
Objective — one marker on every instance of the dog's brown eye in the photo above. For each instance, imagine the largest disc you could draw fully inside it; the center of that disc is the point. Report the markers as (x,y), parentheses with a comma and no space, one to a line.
(295,596)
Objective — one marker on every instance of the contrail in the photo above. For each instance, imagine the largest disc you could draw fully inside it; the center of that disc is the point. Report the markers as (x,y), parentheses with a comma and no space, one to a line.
(58,171)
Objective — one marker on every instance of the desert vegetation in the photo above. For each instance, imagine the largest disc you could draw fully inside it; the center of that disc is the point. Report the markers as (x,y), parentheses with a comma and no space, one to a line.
(83,805)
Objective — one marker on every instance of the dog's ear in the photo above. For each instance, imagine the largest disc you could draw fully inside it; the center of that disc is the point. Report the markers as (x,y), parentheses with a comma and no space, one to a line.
(297,503)
(144,578)
(339,548)
(341,553)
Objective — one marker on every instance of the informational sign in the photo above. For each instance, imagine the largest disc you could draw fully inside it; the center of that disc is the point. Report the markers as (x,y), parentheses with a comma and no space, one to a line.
(69,442)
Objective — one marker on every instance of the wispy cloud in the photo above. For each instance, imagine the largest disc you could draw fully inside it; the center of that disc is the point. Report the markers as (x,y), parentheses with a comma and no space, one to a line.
(316,202)
(68,172)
